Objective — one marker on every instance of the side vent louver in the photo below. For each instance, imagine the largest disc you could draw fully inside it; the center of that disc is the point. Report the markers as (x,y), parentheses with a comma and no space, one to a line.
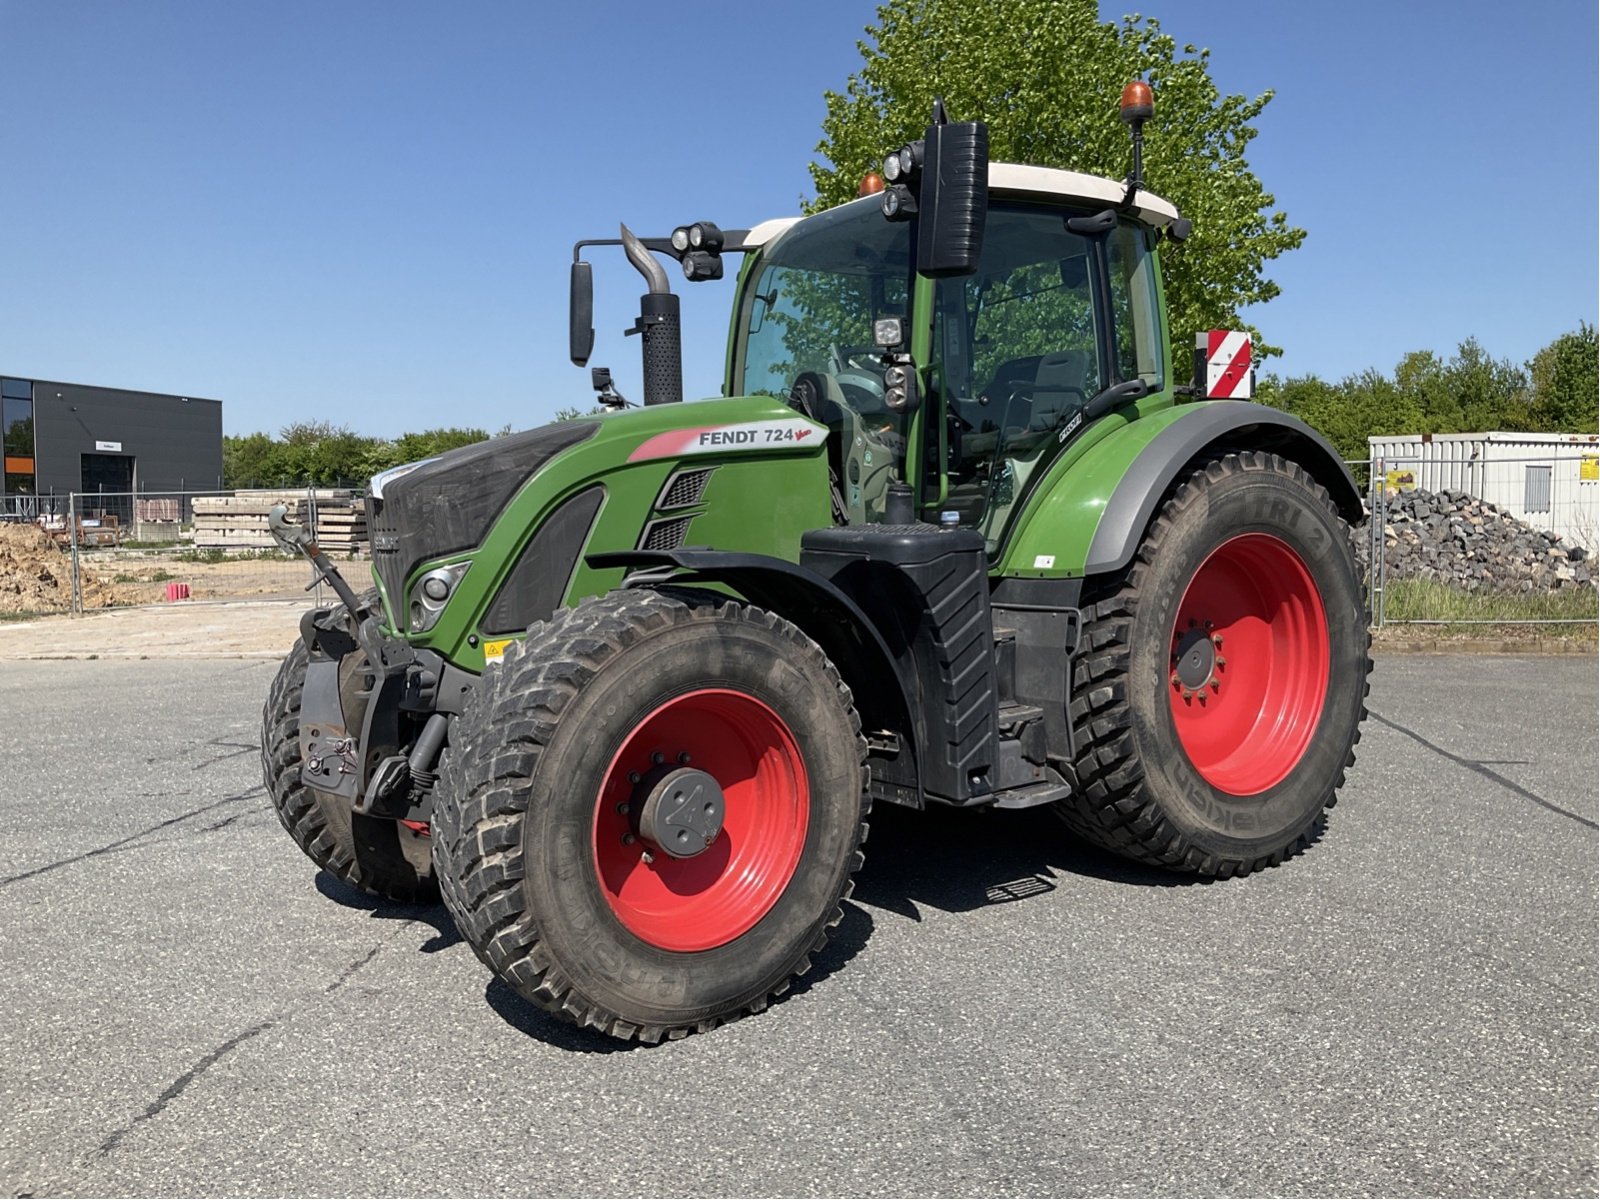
(664,535)
(684,488)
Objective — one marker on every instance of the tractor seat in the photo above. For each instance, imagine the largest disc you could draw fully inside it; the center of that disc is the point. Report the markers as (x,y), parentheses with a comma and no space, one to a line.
(1058,388)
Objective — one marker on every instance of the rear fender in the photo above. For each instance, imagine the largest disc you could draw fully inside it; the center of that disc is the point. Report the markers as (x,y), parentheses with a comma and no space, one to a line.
(1204,431)
(1093,510)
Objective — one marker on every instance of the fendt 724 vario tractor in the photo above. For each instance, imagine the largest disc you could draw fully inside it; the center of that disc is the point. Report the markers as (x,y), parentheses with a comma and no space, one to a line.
(628,685)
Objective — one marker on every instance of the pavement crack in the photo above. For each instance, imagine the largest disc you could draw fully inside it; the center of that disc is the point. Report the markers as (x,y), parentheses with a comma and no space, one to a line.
(177,1086)
(120,843)
(345,975)
(230,754)
(1478,767)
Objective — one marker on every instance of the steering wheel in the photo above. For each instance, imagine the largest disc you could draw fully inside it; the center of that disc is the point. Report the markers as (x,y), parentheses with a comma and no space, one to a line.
(844,358)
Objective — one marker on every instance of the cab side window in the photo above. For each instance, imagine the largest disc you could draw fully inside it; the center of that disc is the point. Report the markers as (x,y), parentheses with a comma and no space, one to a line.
(1135,310)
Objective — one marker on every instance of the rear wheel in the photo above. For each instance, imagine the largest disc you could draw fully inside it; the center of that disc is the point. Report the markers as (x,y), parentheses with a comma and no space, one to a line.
(649,814)
(382,857)
(1221,681)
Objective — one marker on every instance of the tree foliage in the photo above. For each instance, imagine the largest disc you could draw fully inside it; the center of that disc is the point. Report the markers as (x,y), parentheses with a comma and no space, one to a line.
(1046,75)
(1566,381)
(320,454)
(1472,392)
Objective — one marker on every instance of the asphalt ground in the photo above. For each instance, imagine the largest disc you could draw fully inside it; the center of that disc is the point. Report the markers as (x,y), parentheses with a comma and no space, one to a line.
(1409,1008)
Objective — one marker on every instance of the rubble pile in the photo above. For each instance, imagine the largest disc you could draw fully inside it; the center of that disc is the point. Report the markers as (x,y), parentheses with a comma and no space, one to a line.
(1455,538)
(36,575)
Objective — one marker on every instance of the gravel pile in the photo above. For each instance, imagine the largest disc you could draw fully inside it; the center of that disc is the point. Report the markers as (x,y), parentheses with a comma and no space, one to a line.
(1455,538)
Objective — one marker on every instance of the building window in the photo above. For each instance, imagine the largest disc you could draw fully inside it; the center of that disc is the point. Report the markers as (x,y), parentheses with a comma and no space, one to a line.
(16,438)
(1536,489)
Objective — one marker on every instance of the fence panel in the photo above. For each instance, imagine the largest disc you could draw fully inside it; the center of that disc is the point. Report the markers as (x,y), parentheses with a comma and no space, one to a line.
(93,550)
(1508,541)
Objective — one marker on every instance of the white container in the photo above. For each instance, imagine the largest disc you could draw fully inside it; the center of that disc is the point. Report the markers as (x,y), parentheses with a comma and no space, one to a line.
(1549,480)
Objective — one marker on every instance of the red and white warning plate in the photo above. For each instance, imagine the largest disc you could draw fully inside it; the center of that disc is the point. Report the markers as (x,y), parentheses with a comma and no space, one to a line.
(1228,373)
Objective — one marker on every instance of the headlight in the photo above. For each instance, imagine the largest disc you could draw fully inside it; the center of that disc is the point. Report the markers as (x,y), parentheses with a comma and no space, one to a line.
(430,594)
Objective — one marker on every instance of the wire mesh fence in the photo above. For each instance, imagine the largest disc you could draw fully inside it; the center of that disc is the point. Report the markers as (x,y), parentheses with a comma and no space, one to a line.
(82,551)
(1509,542)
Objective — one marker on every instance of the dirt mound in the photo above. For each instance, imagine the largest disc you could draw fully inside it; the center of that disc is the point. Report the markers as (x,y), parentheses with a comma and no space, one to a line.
(36,575)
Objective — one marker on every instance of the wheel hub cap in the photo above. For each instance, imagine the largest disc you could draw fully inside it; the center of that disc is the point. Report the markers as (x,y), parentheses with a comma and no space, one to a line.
(681,812)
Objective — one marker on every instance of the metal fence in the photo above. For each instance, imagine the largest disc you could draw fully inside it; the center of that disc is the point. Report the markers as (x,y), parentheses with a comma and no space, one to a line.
(1510,543)
(84,551)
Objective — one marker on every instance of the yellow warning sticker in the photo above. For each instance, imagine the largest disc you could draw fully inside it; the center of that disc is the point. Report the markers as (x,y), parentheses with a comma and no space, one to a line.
(1400,481)
(496,650)
(1589,466)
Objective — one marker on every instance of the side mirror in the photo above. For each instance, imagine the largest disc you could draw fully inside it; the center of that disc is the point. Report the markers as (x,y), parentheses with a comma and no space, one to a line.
(954,200)
(581,314)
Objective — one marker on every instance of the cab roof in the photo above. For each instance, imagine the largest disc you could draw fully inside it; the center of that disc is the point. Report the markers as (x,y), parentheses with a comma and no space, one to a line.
(1014,179)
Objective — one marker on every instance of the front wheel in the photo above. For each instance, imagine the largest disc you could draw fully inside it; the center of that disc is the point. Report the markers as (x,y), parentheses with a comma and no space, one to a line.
(384,858)
(649,814)
(1221,681)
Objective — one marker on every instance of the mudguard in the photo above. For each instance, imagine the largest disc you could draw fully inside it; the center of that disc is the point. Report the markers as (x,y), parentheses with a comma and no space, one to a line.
(882,692)
(1093,511)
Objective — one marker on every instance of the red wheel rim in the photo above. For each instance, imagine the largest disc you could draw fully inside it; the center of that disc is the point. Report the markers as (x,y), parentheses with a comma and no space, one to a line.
(1249,667)
(689,904)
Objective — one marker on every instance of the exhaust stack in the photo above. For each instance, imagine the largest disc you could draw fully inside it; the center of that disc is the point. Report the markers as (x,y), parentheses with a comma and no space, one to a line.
(659,326)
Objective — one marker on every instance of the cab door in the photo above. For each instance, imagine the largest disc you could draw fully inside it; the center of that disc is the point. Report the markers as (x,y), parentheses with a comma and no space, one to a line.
(1050,319)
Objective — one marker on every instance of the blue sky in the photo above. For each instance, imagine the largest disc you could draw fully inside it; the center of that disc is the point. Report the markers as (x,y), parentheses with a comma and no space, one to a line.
(364,211)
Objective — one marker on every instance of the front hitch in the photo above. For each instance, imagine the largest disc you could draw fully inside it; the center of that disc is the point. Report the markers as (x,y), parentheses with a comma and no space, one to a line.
(297,539)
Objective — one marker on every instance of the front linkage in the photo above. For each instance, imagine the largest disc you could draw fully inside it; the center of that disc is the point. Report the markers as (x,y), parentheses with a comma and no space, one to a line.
(403,698)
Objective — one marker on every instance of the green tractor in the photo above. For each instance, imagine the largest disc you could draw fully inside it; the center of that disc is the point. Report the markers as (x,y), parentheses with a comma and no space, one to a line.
(628,685)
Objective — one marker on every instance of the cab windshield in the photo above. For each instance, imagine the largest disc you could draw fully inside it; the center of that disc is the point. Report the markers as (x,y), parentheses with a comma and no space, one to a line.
(806,321)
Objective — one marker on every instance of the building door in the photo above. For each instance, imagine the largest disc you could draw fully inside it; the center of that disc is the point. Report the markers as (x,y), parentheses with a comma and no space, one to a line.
(108,482)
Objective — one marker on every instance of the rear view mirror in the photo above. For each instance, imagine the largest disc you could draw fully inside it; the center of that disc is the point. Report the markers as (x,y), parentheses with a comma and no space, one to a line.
(581,314)
(954,200)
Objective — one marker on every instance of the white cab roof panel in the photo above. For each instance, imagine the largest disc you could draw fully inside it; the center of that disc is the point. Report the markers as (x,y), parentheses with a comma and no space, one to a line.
(1013,179)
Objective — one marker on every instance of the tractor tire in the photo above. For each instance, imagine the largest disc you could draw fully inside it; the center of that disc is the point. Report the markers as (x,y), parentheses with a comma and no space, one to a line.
(548,855)
(1220,682)
(381,857)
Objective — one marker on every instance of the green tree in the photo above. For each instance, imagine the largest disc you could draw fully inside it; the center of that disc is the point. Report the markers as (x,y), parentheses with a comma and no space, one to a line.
(1046,76)
(1566,384)
(1492,392)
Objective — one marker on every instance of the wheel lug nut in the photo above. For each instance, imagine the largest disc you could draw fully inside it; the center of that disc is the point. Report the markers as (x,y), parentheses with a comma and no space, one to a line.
(624,809)
(1176,682)
(683,759)
(628,839)
(1221,662)
(658,758)
(647,858)
(633,777)
(1216,640)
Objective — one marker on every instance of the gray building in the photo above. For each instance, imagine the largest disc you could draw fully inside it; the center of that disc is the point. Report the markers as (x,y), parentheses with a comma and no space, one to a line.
(69,437)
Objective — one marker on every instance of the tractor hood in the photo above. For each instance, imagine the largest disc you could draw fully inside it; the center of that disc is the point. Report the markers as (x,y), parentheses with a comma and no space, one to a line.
(504,525)
(449,503)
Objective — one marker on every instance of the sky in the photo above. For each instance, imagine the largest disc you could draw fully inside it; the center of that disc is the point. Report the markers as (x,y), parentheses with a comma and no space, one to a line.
(363,212)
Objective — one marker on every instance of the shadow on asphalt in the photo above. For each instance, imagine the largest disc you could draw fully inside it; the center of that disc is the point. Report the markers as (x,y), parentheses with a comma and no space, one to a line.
(444,936)
(958,860)
(848,938)
(949,859)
